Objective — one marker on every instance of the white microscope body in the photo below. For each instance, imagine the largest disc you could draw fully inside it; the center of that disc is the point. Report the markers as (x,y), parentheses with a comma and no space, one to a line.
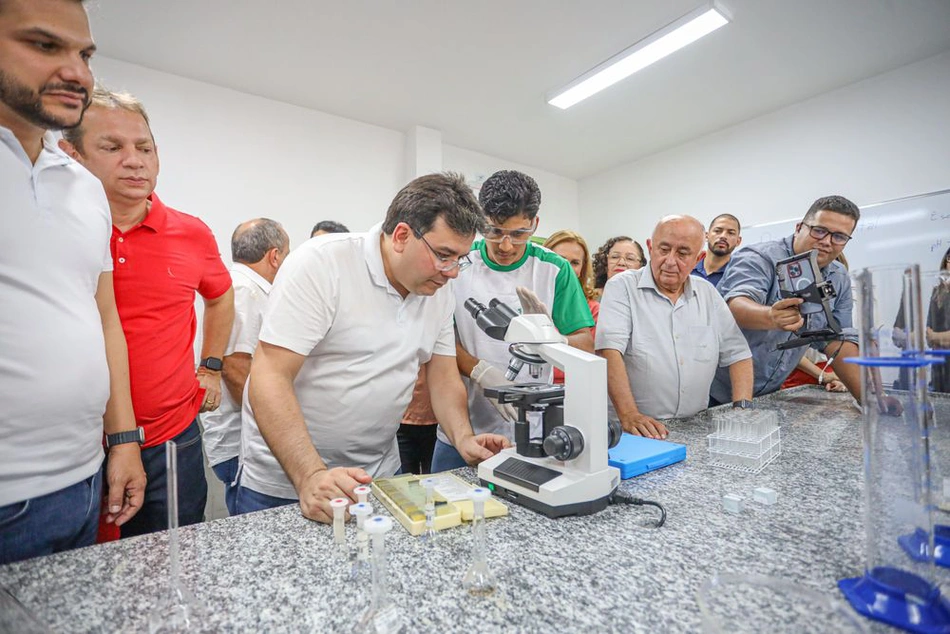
(567,473)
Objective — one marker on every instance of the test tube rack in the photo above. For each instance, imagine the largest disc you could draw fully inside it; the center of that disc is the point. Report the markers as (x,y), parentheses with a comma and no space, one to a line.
(745,440)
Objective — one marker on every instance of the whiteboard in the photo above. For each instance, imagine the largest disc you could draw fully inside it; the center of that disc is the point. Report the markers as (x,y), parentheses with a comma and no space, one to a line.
(912,230)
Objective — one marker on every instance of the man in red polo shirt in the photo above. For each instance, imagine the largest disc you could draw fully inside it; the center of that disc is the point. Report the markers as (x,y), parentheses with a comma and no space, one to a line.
(161,258)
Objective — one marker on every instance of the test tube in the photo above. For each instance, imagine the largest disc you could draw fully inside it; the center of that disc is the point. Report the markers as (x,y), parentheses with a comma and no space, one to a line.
(429,534)
(362,493)
(339,515)
(381,616)
(361,511)
(479,578)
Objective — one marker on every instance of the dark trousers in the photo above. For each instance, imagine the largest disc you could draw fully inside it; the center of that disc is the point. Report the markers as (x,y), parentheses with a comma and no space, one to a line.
(416,444)
(51,523)
(192,486)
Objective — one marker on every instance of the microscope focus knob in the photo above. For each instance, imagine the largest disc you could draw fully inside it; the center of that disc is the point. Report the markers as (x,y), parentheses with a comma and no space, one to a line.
(564,443)
(614,432)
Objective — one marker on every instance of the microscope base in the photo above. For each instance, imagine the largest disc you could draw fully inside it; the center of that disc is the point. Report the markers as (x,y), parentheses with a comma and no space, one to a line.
(554,492)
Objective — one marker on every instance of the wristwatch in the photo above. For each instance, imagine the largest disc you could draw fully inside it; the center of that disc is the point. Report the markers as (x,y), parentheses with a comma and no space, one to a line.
(743,404)
(134,435)
(211,363)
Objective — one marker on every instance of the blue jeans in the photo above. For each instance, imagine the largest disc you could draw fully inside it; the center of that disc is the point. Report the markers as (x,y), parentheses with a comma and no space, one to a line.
(247,501)
(192,486)
(446,458)
(51,523)
(227,473)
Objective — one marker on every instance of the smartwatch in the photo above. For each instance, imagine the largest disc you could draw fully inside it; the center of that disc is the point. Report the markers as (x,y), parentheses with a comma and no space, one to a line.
(743,404)
(211,363)
(134,435)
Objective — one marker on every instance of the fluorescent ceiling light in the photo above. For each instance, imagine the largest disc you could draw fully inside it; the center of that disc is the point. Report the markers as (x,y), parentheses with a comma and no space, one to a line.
(653,48)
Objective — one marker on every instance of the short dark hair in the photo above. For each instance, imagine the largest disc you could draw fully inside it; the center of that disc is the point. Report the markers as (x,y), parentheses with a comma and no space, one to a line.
(600,258)
(329,226)
(730,217)
(837,204)
(428,197)
(507,194)
(253,239)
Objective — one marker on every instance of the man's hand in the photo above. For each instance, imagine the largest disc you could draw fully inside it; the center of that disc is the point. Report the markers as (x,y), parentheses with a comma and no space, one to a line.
(889,405)
(125,482)
(531,304)
(211,382)
(321,487)
(785,314)
(474,449)
(643,425)
(835,385)
(486,375)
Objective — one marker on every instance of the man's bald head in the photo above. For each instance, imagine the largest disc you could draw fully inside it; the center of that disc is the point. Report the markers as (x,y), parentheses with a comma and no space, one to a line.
(674,250)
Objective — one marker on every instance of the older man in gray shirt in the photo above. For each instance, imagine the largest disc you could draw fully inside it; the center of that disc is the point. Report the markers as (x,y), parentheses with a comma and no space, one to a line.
(750,288)
(664,333)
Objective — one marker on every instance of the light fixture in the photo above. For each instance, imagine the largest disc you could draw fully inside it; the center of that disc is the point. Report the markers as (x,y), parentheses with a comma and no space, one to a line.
(650,49)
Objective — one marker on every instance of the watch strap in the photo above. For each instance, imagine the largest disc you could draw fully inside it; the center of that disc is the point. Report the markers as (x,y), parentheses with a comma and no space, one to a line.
(135,435)
(212,363)
(743,404)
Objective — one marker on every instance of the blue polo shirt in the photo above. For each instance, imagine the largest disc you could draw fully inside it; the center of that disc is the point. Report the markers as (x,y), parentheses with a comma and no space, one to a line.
(752,274)
(713,278)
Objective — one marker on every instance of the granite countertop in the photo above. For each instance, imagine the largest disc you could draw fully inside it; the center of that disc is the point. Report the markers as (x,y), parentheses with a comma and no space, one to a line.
(275,571)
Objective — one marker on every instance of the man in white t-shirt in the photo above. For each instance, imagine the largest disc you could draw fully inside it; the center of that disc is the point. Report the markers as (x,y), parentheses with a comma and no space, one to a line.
(350,319)
(258,248)
(505,260)
(64,372)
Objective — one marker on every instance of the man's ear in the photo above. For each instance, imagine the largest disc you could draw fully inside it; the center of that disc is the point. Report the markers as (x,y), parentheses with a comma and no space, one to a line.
(739,242)
(401,237)
(70,149)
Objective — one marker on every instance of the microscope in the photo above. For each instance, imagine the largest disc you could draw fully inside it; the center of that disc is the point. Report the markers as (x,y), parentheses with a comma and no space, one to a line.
(564,471)
(800,276)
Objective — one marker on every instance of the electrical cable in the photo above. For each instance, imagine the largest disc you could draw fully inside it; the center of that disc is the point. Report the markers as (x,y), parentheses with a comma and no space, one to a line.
(622,498)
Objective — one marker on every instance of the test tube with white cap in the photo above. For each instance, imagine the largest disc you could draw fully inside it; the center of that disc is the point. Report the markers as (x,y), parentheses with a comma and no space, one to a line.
(429,534)
(361,511)
(339,516)
(362,493)
(382,615)
(479,579)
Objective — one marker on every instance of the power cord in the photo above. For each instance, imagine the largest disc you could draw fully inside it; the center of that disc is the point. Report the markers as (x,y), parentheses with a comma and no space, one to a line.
(622,498)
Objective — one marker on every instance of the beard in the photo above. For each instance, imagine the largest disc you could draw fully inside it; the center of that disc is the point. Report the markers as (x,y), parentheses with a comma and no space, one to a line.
(29,104)
(719,251)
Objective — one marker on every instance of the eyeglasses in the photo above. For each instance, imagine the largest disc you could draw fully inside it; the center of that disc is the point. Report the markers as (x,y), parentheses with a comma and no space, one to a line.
(445,264)
(819,233)
(629,259)
(515,236)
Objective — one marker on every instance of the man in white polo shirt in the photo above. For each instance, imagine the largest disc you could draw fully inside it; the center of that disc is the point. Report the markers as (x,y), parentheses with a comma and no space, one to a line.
(349,321)
(258,248)
(664,333)
(63,352)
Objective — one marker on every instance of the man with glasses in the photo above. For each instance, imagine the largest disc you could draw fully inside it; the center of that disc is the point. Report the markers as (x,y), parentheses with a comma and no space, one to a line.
(750,289)
(350,319)
(504,261)
(722,239)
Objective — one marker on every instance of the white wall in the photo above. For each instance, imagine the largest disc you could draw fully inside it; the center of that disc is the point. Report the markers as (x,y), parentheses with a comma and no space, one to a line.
(558,193)
(228,156)
(879,139)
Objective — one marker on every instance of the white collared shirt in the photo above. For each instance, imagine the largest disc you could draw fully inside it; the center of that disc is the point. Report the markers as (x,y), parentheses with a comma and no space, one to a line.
(364,344)
(55,227)
(222,427)
(671,351)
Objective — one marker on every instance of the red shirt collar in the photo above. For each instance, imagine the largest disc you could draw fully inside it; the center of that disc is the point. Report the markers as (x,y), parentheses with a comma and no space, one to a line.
(157,214)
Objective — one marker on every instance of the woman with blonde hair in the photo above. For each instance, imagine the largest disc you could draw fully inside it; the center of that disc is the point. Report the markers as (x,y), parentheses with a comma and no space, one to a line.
(573,248)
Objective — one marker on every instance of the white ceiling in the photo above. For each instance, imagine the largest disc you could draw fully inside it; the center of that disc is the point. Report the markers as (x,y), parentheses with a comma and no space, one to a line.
(479,70)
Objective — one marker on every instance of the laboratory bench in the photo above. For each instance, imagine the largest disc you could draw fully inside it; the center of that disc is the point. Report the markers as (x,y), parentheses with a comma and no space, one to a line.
(274,571)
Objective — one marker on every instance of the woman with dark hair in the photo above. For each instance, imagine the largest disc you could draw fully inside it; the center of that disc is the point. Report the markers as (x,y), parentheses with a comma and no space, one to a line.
(618,254)
(938,324)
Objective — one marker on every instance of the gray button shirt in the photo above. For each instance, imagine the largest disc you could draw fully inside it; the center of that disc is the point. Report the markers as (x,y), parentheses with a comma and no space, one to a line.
(671,351)
(751,274)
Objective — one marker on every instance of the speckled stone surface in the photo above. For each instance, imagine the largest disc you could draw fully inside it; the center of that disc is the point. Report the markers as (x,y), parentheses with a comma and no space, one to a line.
(275,571)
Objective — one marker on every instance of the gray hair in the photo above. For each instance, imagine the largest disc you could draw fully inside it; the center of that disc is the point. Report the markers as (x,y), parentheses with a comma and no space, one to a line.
(251,241)
(102,97)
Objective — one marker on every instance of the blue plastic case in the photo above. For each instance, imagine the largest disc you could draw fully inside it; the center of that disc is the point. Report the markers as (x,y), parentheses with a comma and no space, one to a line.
(636,455)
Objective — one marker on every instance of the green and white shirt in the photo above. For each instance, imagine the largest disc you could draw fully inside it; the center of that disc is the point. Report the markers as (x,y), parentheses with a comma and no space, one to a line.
(541,270)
